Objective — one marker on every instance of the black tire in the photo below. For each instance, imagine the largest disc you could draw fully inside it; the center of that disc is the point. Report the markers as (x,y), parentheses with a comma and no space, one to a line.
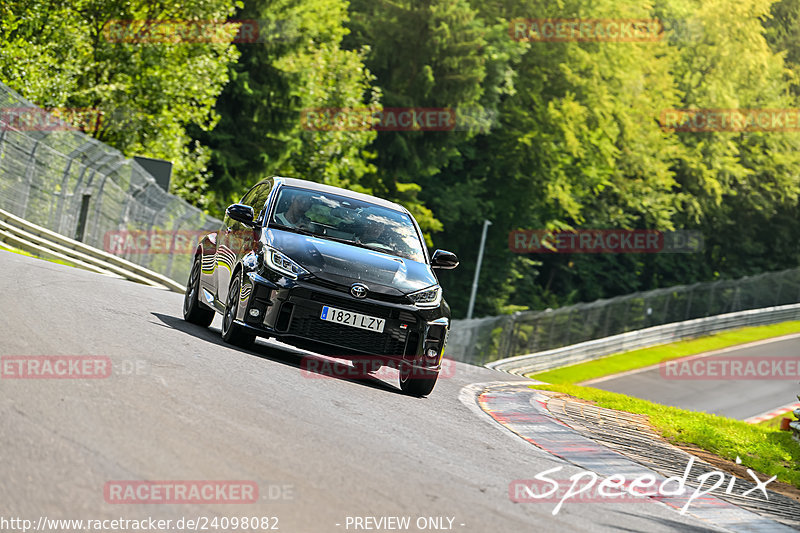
(417,382)
(193,310)
(233,333)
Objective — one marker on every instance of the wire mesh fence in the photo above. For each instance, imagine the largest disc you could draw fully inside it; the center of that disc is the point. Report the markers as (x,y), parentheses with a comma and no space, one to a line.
(55,176)
(482,340)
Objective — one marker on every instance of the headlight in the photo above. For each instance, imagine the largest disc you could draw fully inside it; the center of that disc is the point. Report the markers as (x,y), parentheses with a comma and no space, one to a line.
(430,297)
(280,263)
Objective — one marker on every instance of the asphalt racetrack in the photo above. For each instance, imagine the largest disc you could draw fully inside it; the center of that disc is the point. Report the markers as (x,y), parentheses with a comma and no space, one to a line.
(739,397)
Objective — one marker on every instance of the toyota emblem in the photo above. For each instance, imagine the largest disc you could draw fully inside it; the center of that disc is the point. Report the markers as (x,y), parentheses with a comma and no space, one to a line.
(359,290)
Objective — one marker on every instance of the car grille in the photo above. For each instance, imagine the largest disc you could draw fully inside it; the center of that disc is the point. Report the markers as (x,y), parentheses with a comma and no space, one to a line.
(374,294)
(390,342)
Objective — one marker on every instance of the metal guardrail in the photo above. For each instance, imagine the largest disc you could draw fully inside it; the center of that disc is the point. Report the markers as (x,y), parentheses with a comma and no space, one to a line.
(35,239)
(479,341)
(74,185)
(632,340)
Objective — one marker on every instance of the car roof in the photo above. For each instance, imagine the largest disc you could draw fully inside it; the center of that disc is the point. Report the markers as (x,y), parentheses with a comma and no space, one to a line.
(305,184)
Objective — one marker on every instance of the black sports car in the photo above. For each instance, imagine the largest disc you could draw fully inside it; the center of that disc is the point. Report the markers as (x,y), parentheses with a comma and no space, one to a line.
(322,268)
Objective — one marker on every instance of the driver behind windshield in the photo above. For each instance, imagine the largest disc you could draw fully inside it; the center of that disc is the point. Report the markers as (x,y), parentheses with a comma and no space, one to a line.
(292,211)
(370,233)
(373,232)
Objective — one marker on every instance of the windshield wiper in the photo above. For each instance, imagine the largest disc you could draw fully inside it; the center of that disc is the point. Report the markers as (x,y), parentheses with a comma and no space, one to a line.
(350,242)
(294,229)
(343,241)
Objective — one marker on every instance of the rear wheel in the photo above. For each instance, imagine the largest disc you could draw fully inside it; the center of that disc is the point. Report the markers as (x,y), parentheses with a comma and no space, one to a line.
(417,382)
(232,332)
(193,310)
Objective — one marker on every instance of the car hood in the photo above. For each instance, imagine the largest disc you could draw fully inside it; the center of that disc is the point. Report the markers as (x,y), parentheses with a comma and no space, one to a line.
(345,264)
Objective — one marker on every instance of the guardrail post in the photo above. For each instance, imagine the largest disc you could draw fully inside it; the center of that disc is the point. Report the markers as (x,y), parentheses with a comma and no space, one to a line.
(625,315)
(550,331)
(80,230)
(3,130)
(605,322)
(55,222)
(688,311)
(29,178)
(710,302)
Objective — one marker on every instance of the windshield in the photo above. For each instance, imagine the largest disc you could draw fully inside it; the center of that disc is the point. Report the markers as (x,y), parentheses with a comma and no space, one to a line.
(347,220)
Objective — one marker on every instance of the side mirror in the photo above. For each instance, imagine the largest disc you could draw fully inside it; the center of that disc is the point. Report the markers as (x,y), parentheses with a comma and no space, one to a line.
(241,213)
(444,259)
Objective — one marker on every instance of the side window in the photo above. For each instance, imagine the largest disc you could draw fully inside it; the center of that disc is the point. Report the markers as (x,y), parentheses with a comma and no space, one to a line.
(247,199)
(260,199)
(257,197)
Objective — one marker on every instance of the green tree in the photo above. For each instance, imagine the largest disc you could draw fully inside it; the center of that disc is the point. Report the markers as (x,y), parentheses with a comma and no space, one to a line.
(424,54)
(61,54)
(579,146)
(296,65)
(742,187)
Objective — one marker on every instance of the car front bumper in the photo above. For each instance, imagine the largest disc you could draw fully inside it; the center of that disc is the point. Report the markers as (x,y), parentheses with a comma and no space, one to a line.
(290,311)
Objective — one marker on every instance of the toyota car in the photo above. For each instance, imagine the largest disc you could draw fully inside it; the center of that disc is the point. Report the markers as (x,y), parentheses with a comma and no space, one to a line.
(326,269)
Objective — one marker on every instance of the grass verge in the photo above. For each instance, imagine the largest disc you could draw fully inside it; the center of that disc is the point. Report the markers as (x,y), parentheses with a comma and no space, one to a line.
(762,448)
(7,248)
(622,362)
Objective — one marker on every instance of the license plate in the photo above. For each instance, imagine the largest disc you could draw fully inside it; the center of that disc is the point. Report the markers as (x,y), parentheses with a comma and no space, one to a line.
(349,318)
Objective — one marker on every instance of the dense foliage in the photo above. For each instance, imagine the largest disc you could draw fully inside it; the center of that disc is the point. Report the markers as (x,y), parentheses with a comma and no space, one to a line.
(553,134)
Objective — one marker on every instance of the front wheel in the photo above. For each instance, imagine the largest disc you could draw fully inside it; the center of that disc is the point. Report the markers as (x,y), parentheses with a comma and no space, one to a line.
(193,311)
(417,382)
(232,332)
